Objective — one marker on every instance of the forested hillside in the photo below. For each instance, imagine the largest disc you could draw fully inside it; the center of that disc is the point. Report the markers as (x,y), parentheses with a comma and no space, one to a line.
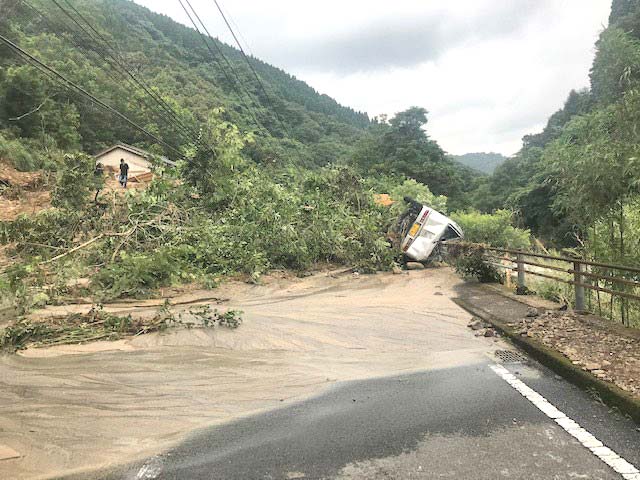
(577,183)
(172,60)
(109,46)
(481,161)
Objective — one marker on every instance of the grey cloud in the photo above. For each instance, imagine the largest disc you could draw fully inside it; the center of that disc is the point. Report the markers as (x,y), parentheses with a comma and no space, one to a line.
(404,41)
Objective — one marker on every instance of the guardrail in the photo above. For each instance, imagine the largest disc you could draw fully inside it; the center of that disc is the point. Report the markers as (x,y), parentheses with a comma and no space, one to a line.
(584,274)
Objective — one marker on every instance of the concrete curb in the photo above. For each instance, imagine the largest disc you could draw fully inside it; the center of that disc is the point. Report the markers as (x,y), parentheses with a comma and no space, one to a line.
(609,393)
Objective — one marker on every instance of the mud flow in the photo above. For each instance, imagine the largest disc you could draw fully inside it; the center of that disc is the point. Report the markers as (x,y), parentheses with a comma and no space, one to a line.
(79,407)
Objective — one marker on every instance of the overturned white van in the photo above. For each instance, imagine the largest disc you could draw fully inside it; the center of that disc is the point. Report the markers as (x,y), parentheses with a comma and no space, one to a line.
(423,232)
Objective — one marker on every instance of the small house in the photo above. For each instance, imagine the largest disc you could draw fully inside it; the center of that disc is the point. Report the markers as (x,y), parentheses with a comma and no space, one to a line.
(139,160)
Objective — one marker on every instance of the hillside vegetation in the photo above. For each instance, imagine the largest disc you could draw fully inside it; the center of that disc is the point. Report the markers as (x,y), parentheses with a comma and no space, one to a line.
(270,174)
(577,183)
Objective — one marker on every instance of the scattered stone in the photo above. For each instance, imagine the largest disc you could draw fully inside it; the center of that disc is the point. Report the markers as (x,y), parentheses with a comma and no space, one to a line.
(414,266)
(532,312)
(295,475)
(396,270)
(438,293)
(475,325)
(490,332)
(592,366)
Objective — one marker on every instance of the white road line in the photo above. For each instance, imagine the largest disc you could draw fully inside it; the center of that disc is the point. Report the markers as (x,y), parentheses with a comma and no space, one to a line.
(150,470)
(608,456)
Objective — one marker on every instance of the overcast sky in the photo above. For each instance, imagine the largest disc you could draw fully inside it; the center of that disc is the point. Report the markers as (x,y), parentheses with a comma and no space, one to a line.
(488,71)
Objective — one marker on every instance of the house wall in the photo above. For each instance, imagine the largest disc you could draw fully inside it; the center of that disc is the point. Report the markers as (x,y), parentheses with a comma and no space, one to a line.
(111,161)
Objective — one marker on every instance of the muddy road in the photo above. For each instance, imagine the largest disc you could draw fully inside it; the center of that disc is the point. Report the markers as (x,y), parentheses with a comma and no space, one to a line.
(77,408)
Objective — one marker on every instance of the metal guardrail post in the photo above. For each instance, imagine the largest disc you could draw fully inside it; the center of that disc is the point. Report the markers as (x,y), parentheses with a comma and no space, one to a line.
(580,305)
(522,287)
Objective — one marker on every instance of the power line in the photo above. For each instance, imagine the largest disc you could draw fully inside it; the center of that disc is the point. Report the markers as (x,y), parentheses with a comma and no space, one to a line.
(165,111)
(116,57)
(222,55)
(246,59)
(82,49)
(244,55)
(73,86)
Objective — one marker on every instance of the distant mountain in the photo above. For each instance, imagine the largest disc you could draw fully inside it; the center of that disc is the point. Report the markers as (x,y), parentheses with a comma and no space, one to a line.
(481,161)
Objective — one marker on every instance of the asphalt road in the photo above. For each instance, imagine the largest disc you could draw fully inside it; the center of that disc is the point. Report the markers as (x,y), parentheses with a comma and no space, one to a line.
(459,423)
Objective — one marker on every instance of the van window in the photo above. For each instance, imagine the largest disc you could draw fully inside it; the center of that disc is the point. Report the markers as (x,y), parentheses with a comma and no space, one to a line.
(449,234)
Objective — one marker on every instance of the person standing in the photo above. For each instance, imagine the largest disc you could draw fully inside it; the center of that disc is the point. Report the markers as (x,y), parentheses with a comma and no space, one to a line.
(124,173)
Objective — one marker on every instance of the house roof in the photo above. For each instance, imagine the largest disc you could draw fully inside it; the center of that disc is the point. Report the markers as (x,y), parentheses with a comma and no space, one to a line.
(135,150)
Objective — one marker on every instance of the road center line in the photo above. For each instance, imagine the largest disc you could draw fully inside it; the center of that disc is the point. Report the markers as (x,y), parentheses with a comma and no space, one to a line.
(608,456)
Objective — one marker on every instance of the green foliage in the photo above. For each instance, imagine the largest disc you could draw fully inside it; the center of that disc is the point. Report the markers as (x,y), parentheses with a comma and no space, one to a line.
(616,67)
(75,328)
(76,182)
(18,335)
(418,192)
(212,172)
(492,229)
(230,319)
(469,262)
(23,154)
(401,147)
(295,122)
(137,275)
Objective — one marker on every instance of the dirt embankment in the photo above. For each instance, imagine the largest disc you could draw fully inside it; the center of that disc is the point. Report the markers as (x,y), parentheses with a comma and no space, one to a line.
(74,407)
(30,192)
(22,192)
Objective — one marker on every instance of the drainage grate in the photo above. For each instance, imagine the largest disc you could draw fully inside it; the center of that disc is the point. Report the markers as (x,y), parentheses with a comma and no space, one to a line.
(510,356)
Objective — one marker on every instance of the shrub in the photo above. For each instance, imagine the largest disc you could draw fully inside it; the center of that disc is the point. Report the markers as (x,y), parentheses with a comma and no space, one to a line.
(136,275)
(19,154)
(469,262)
(493,229)
(75,183)
(418,192)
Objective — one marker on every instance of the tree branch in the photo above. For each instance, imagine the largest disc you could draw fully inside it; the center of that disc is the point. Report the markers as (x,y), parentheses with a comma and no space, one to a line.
(15,119)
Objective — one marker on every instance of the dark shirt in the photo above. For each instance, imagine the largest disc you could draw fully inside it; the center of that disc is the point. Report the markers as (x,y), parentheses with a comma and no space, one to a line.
(124,169)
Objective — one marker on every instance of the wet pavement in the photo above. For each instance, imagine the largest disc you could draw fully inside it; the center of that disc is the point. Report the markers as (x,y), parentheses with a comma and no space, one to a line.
(461,423)
(332,376)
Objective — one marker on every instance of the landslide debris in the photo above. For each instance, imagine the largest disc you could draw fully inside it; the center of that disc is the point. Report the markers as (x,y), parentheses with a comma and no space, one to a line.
(98,324)
(22,192)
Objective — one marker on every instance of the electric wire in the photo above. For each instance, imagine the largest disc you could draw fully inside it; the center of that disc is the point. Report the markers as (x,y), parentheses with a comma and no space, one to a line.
(54,74)
(246,59)
(222,55)
(111,55)
(84,51)
(115,55)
